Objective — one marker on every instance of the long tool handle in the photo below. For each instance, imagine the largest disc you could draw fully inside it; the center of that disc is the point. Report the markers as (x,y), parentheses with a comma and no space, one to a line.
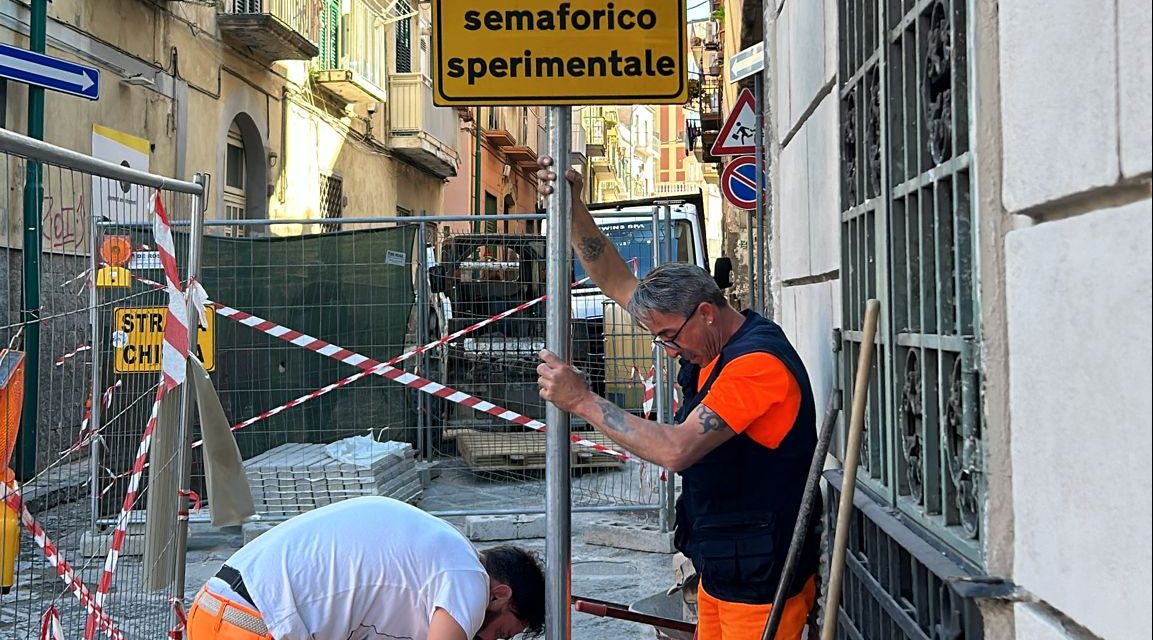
(801,529)
(604,609)
(852,457)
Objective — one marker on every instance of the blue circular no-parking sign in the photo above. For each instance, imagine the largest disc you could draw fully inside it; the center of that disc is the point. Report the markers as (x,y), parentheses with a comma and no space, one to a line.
(739,182)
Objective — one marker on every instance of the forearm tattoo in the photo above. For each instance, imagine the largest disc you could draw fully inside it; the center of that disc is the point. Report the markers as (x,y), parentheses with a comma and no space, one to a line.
(614,417)
(710,421)
(592,247)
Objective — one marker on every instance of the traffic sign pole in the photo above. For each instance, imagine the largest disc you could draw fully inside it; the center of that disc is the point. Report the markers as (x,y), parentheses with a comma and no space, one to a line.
(24,462)
(558,489)
(759,143)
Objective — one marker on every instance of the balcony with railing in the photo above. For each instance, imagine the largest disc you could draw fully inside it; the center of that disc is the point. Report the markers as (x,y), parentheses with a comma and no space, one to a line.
(579,140)
(699,140)
(497,130)
(675,188)
(525,126)
(421,132)
(595,146)
(601,164)
(353,59)
(705,94)
(270,30)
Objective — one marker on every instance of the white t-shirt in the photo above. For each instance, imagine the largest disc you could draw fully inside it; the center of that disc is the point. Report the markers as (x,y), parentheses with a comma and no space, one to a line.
(368,568)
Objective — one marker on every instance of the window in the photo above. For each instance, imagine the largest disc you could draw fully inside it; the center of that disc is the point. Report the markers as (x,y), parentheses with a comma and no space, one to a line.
(234,164)
(331,201)
(235,181)
(425,58)
(329,44)
(404,38)
(490,211)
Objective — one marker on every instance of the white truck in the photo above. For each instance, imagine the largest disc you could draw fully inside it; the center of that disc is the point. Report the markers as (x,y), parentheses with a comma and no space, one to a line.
(479,275)
(630,226)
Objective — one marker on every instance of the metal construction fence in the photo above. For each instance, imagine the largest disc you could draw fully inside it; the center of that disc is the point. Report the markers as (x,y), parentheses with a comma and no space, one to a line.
(421,339)
(72,417)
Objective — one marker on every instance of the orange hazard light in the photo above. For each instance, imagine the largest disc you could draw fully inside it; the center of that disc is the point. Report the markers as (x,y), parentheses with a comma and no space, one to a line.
(116,251)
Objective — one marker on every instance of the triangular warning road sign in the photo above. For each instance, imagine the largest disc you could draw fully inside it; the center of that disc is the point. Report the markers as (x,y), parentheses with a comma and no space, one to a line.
(738,135)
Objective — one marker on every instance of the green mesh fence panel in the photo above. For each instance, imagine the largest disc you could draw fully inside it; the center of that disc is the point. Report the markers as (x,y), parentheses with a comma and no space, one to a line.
(350,289)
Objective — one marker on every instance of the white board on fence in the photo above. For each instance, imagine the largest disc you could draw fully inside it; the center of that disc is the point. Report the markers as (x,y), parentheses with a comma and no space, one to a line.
(112,199)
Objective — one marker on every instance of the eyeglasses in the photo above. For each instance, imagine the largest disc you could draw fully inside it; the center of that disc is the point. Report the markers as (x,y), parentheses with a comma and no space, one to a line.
(671,342)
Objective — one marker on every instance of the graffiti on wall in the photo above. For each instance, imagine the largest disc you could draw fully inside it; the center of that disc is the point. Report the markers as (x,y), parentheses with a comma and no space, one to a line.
(64,222)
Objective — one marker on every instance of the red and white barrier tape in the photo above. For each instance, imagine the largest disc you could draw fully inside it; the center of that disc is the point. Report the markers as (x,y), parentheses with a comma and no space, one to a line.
(119,533)
(50,628)
(268,327)
(385,369)
(173,371)
(82,274)
(175,349)
(11,497)
(370,366)
(72,354)
(83,438)
(192,497)
(650,390)
(177,632)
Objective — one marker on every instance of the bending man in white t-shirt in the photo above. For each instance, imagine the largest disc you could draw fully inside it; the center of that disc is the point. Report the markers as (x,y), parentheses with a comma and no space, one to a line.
(369,569)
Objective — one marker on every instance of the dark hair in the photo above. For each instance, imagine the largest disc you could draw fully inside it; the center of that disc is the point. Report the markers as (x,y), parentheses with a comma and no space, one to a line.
(522,571)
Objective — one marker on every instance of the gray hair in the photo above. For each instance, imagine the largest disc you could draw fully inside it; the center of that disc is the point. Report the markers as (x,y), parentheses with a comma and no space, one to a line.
(675,288)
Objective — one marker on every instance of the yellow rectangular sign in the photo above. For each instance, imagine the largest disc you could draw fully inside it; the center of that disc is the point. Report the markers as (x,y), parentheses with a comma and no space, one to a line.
(138,337)
(559,52)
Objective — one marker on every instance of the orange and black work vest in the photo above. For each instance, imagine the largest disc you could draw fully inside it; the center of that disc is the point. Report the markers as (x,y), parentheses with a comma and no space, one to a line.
(739,503)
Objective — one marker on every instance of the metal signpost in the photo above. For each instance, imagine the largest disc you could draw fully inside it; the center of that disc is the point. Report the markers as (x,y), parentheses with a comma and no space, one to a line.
(558,494)
(542,52)
(745,63)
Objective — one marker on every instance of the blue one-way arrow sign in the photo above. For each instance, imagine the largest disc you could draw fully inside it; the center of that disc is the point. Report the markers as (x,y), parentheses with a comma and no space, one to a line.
(40,70)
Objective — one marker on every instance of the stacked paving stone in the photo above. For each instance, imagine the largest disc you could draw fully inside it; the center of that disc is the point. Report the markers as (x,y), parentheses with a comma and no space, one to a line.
(294,478)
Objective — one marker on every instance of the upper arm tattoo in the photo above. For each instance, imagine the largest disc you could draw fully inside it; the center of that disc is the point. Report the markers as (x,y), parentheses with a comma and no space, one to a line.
(710,421)
(592,247)
(614,416)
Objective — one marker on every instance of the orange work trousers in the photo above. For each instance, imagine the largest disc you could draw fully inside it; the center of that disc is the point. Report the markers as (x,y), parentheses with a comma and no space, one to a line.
(213,617)
(721,620)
